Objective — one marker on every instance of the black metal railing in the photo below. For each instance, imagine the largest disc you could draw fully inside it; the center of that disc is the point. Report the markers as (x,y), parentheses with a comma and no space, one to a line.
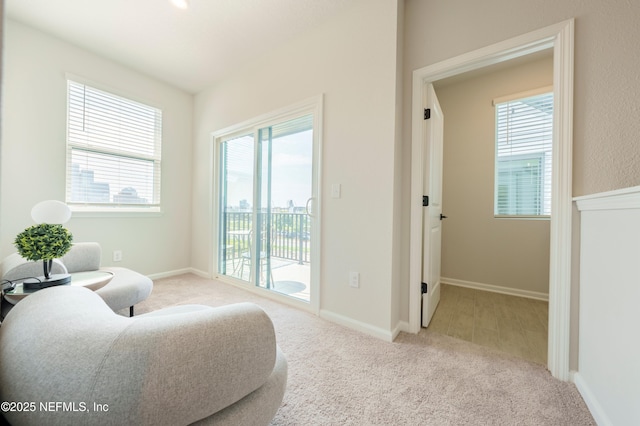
(287,234)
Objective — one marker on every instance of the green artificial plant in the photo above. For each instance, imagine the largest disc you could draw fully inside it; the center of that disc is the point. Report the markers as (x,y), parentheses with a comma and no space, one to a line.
(44,242)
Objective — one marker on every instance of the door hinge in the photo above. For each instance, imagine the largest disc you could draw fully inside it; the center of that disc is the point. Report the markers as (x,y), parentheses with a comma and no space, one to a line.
(424,288)
(425,201)
(427,113)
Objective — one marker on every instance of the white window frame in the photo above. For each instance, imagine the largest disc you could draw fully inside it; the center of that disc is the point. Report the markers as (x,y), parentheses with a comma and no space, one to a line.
(544,156)
(112,208)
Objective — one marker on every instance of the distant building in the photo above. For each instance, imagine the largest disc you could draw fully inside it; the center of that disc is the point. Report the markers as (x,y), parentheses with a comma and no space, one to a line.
(85,189)
(128,195)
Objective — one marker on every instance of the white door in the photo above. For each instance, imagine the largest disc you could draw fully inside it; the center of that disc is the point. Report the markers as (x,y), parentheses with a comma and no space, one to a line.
(432,214)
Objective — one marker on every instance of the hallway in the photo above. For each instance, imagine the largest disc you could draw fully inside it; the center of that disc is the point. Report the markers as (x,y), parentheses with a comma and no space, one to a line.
(512,324)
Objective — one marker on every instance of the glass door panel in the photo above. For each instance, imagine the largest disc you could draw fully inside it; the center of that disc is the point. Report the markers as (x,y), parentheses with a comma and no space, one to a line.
(286,175)
(236,201)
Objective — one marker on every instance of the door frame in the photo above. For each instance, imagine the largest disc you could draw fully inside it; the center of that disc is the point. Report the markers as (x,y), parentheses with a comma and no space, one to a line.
(313,105)
(559,38)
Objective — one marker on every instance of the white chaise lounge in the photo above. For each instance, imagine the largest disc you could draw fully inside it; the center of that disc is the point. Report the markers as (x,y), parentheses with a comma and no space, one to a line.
(125,290)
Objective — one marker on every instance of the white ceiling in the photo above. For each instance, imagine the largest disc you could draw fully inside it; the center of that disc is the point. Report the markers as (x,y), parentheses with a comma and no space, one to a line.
(190,49)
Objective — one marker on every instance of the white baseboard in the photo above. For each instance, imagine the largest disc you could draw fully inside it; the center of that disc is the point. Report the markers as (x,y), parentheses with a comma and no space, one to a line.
(386,335)
(175,272)
(380,333)
(198,272)
(496,289)
(592,403)
(402,326)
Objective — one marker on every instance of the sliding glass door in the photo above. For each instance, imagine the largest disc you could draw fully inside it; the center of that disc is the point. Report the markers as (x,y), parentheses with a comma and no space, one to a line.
(266,197)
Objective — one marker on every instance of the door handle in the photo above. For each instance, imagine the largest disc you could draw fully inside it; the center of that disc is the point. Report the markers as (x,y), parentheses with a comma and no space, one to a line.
(442,216)
(307,209)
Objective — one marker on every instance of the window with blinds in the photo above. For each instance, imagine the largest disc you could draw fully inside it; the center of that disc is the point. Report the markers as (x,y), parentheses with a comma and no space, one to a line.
(113,151)
(524,134)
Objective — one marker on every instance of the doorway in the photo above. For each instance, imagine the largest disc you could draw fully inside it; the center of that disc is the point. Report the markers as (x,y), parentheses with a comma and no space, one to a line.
(559,38)
(496,196)
(266,202)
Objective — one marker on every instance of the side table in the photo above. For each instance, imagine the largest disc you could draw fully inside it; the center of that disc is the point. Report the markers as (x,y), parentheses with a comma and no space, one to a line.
(93,280)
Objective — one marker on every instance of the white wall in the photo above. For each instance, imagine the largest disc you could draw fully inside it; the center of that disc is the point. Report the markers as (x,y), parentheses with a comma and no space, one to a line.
(477,248)
(351,59)
(609,374)
(34,159)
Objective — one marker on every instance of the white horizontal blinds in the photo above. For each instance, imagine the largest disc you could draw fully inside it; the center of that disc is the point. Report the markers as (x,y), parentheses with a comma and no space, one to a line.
(114,149)
(524,134)
(297,125)
(237,173)
(238,156)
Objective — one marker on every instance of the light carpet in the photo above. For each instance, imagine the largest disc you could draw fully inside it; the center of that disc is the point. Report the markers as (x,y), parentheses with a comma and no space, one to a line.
(338,376)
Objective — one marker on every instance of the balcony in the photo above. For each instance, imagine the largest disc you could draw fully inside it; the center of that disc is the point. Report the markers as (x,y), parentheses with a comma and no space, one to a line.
(284,247)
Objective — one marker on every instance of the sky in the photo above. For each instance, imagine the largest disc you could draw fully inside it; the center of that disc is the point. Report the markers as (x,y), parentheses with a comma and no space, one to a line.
(291,172)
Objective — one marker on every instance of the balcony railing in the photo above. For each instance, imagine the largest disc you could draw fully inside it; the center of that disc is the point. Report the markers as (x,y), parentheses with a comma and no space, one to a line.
(287,235)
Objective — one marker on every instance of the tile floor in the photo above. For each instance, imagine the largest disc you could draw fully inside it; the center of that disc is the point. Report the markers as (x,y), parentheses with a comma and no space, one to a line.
(516,325)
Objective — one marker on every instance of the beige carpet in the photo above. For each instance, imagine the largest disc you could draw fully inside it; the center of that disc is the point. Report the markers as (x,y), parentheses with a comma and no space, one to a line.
(342,377)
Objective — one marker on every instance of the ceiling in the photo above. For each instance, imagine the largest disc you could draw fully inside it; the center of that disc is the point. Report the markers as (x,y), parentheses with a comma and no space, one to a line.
(190,49)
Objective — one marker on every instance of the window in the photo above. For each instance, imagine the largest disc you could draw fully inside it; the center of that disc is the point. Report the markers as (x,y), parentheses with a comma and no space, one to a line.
(524,134)
(113,151)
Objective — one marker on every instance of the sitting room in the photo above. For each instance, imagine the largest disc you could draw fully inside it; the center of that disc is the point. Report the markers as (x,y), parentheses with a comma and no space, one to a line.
(229,192)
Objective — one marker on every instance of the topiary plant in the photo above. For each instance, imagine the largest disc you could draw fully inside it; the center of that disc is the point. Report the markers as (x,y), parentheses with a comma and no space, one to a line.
(44,242)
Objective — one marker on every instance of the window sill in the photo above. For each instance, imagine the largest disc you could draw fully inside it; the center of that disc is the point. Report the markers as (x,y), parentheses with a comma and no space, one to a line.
(523,217)
(115,212)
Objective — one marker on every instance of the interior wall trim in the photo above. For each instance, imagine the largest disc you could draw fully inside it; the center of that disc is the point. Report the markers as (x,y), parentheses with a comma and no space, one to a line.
(594,406)
(380,333)
(620,199)
(496,289)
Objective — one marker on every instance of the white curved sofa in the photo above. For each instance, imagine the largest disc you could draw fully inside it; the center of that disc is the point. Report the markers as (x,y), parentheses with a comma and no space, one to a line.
(176,366)
(126,288)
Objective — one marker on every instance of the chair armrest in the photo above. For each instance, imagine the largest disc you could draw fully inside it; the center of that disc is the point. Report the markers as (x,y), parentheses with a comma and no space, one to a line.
(185,366)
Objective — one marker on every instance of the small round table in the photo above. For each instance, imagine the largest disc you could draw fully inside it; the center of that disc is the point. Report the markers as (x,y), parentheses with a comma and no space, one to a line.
(93,280)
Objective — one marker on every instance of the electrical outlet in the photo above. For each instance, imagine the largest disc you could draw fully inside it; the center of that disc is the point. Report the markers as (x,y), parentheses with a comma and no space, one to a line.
(354,279)
(117,255)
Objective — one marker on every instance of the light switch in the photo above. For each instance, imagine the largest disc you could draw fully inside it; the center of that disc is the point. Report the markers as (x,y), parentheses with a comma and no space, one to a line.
(335,190)
(354,279)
